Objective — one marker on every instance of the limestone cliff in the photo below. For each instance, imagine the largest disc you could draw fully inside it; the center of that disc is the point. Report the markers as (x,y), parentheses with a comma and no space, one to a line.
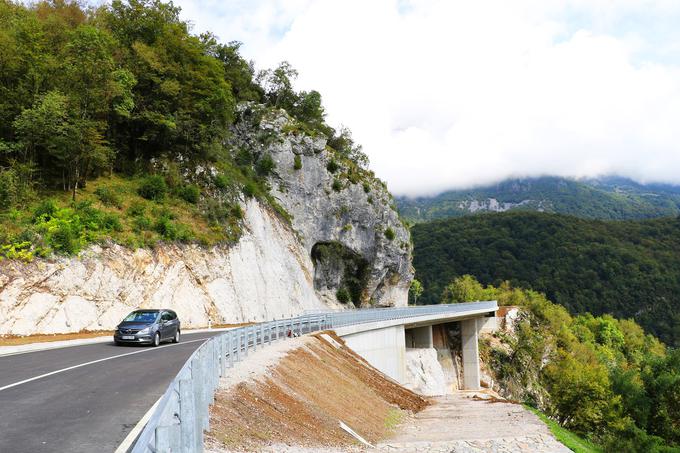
(348,225)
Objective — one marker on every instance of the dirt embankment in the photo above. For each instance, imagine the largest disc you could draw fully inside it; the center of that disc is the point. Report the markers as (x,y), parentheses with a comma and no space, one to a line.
(301,400)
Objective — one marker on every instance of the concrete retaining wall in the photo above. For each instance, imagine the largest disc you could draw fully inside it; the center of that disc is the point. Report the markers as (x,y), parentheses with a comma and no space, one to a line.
(384,348)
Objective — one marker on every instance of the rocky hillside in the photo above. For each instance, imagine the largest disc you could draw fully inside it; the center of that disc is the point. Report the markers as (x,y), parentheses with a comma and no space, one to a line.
(608,198)
(335,250)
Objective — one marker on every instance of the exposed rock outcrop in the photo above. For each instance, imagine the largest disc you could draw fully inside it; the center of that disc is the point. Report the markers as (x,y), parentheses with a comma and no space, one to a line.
(266,275)
(424,373)
(327,207)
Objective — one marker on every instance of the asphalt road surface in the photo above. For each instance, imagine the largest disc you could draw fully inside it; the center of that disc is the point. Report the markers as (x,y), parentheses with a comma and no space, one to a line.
(88,408)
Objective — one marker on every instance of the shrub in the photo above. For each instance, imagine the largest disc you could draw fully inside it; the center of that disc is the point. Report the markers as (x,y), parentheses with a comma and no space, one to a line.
(153,187)
(190,193)
(8,189)
(297,162)
(332,166)
(108,196)
(244,158)
(389,234)
(166,228)
(216,211)
(343,295)
(136,209)
(172,231)
(141,223)
(221,181)
(265,165)
(63,231)
(367,187)
(17,251)
(16,184)
(45,210)
(111,222)
(250,189)
(237,212)
(337,185)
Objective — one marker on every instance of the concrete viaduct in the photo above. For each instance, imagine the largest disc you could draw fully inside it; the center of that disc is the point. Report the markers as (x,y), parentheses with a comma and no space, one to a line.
(383,343)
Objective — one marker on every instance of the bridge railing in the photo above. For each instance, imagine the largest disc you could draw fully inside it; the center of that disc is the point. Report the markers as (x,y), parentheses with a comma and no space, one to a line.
(182,413)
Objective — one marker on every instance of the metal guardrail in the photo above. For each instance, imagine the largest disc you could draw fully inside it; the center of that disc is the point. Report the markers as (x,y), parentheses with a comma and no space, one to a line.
(182,415)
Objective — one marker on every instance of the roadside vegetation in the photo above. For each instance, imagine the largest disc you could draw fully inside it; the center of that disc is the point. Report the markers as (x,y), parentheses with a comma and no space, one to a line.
(574,442)
(597,376)
(116,124)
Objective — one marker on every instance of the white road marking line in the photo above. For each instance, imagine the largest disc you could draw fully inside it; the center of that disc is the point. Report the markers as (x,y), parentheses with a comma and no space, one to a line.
(132,435)
(25,381)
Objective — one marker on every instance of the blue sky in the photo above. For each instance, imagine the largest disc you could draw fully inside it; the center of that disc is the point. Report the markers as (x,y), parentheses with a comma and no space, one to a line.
(449,93)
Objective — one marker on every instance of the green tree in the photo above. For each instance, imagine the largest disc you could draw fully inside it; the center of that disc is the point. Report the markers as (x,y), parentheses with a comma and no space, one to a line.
(416,290)
(464,289)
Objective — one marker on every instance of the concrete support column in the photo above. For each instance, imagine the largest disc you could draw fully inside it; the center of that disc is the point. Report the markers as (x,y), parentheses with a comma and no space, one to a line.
(419,337)
(470,354)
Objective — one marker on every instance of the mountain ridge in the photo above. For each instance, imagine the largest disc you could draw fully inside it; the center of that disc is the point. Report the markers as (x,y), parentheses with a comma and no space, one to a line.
(605,198)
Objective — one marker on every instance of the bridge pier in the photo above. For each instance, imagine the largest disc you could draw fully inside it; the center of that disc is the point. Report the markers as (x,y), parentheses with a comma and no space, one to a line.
(470,354)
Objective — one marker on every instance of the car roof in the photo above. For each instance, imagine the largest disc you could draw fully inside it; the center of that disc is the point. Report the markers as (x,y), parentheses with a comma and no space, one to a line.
(151,310)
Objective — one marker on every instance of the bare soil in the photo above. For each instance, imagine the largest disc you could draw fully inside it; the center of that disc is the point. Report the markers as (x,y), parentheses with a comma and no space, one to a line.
(301,400)
(15,340)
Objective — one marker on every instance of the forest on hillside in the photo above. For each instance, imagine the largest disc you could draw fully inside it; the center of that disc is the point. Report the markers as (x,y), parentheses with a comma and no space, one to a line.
(630,269)
(108,114)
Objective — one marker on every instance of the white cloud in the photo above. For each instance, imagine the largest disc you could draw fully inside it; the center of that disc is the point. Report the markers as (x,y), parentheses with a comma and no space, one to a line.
(450,93)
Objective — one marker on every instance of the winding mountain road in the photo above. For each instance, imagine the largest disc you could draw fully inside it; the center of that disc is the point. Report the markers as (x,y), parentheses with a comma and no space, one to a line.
(84,398)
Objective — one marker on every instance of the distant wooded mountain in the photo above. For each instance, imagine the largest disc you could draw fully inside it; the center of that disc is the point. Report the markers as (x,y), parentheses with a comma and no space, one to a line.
(626,268)
(607,198)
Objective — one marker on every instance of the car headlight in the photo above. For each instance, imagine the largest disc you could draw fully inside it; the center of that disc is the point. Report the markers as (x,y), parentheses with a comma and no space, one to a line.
(145,330)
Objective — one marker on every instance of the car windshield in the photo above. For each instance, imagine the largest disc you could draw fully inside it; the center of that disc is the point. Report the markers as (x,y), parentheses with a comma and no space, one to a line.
(141,316)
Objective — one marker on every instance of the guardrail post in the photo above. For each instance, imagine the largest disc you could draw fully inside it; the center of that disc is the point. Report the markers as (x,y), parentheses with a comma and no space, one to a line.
(238,344)
(164,440)
(207,375)
(187,416)
(197,397)
(223,354)
(229,359)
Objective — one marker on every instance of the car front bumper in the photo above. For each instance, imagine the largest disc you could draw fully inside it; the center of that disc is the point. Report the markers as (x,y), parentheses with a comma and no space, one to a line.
(133,338)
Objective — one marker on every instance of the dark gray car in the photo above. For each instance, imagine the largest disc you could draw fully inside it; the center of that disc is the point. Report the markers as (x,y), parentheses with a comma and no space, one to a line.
(148,327)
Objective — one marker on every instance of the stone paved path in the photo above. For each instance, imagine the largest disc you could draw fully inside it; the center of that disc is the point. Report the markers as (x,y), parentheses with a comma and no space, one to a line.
(461,424)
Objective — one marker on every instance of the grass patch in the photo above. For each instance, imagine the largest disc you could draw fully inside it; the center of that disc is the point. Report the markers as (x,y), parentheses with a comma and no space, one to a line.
(110,207)
(394,417)
(570,440)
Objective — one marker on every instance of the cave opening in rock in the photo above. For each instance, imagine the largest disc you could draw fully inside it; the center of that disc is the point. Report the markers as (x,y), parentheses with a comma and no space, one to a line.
(339,272)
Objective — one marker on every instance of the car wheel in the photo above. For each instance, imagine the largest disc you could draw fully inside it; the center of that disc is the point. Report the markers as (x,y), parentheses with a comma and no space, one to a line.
(156,340)
(176,339)
(118,343)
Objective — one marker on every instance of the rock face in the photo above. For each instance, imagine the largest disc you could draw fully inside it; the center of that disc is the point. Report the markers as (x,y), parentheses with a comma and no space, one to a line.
(268,274)
(424,373)
(358,218)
